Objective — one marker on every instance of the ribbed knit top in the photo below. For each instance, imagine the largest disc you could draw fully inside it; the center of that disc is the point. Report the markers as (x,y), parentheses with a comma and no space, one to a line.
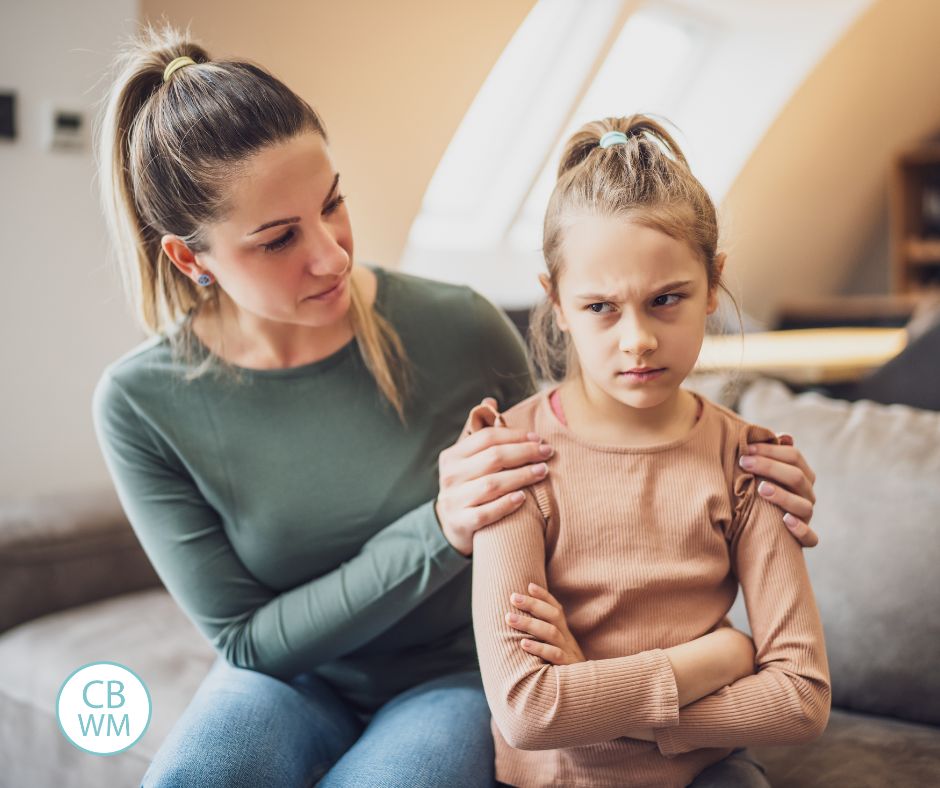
(645,549)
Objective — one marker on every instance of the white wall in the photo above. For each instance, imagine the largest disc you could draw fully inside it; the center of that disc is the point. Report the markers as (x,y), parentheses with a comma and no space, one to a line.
(62,317)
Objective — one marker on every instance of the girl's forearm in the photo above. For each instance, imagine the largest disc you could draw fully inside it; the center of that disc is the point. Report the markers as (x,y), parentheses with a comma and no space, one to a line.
(705,665)
(710,662)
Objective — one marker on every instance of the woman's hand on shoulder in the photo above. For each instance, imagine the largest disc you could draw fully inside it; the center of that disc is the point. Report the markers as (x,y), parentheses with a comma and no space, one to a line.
(483,474)
(541,616)
(788,483)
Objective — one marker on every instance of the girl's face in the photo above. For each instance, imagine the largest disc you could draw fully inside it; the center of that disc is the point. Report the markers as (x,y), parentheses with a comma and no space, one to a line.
(633,301)
(284,250)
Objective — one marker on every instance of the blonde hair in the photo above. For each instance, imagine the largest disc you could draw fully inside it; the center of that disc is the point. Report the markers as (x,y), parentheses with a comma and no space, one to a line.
(646,179)
(166,153)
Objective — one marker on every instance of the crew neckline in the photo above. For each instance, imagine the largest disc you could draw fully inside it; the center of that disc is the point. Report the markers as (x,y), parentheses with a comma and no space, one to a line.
(547,411)
(320,365)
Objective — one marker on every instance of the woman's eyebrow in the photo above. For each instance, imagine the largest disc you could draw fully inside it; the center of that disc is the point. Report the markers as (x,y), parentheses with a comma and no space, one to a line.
(275,223)
(295,219)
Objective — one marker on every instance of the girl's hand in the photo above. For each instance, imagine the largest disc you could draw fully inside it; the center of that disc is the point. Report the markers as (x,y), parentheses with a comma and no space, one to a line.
(483,474)
(546,622)
(785,465)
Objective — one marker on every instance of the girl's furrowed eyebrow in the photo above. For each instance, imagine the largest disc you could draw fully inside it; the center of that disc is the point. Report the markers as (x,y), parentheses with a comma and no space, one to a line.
(613,297)
(295,219)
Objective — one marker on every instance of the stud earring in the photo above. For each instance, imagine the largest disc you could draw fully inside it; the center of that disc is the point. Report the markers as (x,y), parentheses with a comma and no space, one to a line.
(204,279)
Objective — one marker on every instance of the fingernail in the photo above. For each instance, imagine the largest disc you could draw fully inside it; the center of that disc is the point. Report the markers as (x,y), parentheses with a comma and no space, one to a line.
(533,436)
(539,470)
(512,618)
(517,497)
(545,450)
(516,598)
(789,520)
(747,463)
(751,449)
(766,488)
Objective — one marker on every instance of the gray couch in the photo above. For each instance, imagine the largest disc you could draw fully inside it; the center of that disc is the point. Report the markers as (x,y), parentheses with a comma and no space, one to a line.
(76,588)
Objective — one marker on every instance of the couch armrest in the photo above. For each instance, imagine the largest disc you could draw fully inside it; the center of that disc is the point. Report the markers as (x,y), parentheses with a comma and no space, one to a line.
(66,550)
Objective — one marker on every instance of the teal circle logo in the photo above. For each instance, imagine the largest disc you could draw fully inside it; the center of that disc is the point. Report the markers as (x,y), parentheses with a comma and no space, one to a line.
(103,708)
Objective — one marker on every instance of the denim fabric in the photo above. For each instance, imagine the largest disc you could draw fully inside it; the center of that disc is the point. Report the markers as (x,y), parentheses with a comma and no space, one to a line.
(245,729)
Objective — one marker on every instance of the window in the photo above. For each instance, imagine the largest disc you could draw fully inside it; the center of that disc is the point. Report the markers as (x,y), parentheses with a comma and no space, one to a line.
(719,71)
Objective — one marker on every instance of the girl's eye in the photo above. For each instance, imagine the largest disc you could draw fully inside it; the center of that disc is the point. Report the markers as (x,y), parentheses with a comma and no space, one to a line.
(279,243)
(334,204)
(659,300)
(600,308)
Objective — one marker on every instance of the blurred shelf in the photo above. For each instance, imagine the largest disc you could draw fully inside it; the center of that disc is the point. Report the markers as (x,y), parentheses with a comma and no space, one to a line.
(923,251)
(804,357)
(914,201)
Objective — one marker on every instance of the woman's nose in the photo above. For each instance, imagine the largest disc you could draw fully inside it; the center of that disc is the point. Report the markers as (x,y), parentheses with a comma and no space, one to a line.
(325,255)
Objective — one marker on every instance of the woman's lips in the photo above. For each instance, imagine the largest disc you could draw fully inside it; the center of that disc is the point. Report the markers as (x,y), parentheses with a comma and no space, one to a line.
(327,295)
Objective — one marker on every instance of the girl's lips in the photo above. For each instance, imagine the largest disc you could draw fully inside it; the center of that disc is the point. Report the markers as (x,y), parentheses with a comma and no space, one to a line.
(642,376)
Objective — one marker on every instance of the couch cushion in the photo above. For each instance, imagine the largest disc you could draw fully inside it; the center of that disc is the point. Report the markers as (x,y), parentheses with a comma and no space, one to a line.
(859,750)
(145,631)
(878,517)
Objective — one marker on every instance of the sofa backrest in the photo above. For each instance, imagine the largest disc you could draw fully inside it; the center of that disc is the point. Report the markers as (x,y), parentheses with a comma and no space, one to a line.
(876,570)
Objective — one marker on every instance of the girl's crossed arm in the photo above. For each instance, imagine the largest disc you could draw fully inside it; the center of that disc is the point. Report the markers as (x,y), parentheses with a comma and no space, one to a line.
(544,706)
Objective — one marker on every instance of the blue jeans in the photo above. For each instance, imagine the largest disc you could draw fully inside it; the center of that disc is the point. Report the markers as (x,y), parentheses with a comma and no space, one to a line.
(245,729)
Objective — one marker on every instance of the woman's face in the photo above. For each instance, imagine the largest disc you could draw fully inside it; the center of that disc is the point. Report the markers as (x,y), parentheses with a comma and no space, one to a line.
(284,250)
(632,298)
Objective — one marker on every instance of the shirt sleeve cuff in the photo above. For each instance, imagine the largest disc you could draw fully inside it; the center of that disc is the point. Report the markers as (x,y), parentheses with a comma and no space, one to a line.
(669,741)
(443,551)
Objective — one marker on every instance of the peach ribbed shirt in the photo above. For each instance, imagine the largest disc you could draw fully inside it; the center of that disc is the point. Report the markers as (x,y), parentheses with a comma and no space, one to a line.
(644,548)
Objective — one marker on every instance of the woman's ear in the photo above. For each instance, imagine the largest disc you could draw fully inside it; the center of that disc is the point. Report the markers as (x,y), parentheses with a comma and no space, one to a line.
(712,305)
(552,296)
(182,256)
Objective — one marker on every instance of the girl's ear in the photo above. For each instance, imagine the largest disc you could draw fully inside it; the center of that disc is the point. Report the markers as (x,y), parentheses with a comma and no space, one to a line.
(712,305)
(552,296)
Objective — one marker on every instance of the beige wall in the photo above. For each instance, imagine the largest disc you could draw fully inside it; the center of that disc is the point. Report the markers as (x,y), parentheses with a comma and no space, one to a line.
(807,210)
(62,317)
(391,79)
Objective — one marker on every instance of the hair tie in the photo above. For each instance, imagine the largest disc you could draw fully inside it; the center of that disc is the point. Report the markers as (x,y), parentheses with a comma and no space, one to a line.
(613,138)
(175,65)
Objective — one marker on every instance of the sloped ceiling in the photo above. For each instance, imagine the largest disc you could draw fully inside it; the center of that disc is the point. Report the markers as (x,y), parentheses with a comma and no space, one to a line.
(811,199)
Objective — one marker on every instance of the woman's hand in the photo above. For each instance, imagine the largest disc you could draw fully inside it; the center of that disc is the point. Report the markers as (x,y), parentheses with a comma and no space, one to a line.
(793,491)
(483,474)
(546,622)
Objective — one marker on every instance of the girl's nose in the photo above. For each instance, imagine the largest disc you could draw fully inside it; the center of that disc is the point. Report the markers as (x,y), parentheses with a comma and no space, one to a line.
(636,338)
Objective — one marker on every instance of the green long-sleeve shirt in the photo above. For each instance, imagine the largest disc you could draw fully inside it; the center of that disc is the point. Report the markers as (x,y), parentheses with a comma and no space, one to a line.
(291,514)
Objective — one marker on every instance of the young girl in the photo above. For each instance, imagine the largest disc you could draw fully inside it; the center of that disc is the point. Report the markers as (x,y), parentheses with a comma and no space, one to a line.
(648,520)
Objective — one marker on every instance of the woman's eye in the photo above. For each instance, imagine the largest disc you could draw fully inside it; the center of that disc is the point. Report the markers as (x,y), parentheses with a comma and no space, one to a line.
(334,204)
(279,243)
(599,309)
(663,300)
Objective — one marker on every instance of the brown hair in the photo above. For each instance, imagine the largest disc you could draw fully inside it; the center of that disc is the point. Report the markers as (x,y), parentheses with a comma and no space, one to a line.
(166,152)
(647,179)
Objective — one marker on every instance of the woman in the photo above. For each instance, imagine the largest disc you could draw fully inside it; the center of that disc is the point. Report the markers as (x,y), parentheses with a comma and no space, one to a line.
(282,444)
